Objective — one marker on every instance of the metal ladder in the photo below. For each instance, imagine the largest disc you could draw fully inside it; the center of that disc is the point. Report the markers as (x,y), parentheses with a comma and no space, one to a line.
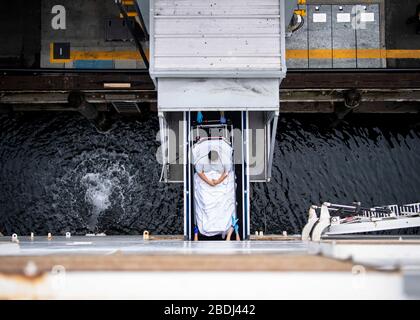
(334,219)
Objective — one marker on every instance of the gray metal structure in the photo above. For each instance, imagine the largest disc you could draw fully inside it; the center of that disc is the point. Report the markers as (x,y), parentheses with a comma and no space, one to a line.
(368,34)
(90,27)
(343,35)
(339,34)
(107,245)
(334,219)
(217,39)
(298,40)
(230,57)
(319,35)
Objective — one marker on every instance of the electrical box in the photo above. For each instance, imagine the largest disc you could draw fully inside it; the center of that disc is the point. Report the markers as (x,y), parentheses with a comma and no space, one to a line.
(320,37)
(368,36)
(343,37)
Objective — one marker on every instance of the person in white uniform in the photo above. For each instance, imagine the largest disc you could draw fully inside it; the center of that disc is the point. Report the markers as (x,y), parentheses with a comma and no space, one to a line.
(206,171)
(214,164)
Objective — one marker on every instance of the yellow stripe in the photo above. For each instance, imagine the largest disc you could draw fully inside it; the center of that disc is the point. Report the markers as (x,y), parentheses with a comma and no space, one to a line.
(290,54)
(403,54)
(320,54)
(129,14)
(98,55)
(352,54)
(297,54)
(371,54)
(105,55)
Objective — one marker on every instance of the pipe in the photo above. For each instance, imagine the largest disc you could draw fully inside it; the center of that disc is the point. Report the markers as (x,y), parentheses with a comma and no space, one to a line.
(133,33)
(272,145)
(77,100)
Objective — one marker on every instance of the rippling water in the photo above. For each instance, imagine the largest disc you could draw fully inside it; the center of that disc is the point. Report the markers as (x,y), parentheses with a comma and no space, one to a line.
(58,174)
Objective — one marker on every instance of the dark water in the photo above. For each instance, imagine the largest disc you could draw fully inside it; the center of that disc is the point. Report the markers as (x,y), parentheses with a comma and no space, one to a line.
(58,174)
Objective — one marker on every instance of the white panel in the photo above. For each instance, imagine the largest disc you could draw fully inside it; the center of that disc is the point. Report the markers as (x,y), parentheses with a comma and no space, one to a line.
(367,17)
(343,17)
(207,47)
(221,26)
(319,17)
(196,38)
(216,7)
(216,63)
(218,94)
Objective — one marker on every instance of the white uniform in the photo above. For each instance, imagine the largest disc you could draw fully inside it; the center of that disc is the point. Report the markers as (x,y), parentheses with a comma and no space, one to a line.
(214,205)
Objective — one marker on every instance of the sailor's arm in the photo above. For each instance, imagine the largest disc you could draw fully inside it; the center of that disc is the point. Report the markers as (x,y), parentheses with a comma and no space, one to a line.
(226,170)
(221,179)
(205,179)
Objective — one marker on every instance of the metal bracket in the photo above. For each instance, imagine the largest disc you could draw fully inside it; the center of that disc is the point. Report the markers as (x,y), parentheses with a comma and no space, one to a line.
(313,219)
(273,143)
(323,223)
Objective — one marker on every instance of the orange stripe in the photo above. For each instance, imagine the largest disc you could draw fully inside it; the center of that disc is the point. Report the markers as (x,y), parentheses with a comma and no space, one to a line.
(352,54)
(52,60)
(129,14)
(105,55)
(371,54)
(320,54)
(98,55)
(290,54)
(403,54)
(297,54)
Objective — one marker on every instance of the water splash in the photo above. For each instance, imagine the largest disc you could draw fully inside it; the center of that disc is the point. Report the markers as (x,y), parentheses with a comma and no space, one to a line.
(58,174)
(98,192)
(107,189)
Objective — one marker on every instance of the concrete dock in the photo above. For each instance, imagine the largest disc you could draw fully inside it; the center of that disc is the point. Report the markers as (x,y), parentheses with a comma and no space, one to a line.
(268,268)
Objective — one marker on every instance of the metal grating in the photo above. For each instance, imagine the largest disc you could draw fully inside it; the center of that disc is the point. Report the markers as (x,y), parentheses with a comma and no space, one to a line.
(126,107)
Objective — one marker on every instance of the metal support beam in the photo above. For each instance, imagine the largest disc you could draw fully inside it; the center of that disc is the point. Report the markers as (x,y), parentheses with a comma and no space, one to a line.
(373,226)
(272,145)
(133,33)
(312,220)
(335,219)
(140,21)
(323,223)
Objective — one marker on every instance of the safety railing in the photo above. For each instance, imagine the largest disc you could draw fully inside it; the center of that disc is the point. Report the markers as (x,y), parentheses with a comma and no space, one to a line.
(383,212)
(406,209)
(344,211)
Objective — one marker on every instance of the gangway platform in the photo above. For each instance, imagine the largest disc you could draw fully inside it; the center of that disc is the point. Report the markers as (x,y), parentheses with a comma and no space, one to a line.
(229,58)
(334,219)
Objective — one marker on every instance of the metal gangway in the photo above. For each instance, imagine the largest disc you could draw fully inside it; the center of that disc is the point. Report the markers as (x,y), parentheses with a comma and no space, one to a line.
(206,58)
(335,219)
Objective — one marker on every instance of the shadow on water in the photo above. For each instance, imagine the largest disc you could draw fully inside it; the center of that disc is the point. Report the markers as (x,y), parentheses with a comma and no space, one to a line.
(58,174)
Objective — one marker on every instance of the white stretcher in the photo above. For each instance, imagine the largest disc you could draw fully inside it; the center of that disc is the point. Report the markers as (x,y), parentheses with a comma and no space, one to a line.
(214,206)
